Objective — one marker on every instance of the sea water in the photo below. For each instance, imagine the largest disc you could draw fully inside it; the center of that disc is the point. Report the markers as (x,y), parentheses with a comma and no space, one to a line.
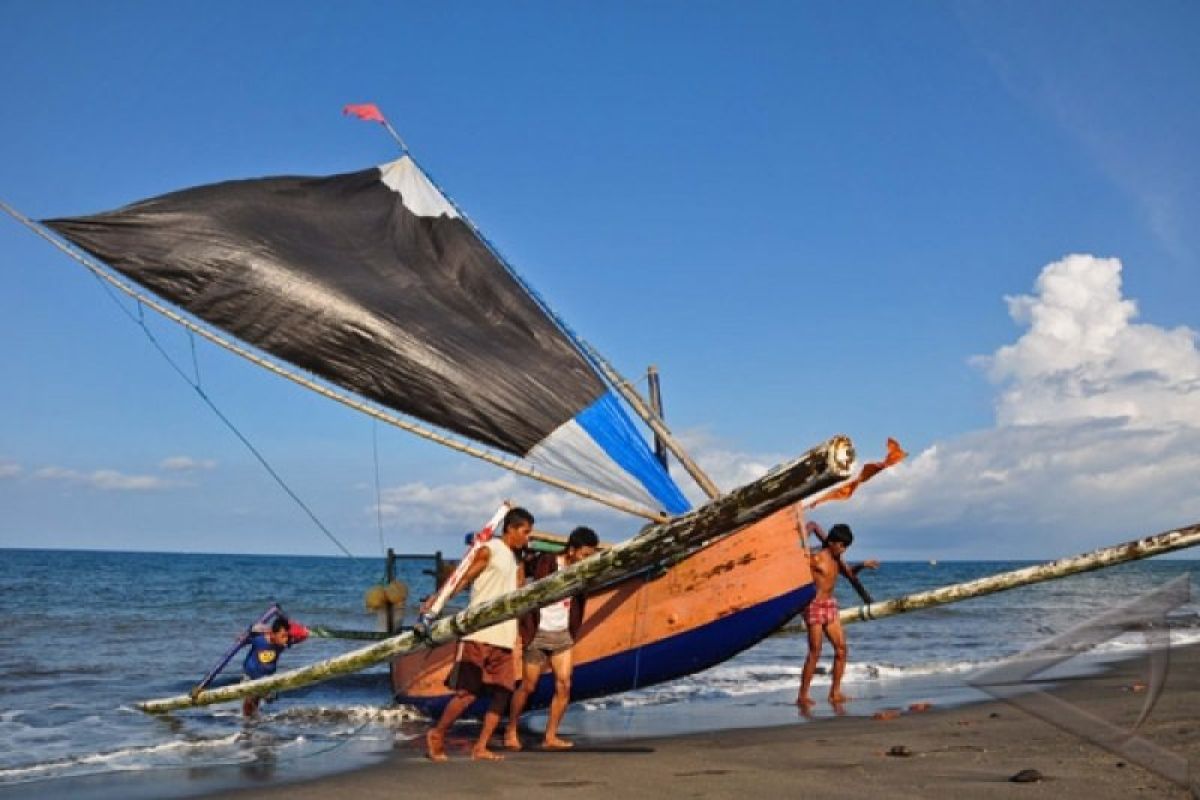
(85,635)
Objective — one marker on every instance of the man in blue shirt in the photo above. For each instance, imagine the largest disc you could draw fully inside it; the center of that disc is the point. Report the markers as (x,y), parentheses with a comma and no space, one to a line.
(265,647)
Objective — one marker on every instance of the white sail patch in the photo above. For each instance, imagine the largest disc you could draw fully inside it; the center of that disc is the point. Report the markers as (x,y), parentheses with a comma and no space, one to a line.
(571,452)
(416,191)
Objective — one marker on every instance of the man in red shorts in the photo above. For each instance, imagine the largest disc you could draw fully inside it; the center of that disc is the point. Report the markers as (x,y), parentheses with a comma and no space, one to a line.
(484,662)
(821,615)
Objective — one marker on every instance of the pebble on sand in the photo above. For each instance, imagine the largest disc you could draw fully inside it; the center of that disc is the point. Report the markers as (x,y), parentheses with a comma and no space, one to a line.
(1027,776)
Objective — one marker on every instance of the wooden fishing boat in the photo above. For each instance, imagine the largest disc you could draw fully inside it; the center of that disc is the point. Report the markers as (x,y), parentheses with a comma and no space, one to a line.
(374,289)
(662,624)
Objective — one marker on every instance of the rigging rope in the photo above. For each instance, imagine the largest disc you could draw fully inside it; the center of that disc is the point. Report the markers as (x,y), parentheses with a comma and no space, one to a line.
(140,321)
(378,495)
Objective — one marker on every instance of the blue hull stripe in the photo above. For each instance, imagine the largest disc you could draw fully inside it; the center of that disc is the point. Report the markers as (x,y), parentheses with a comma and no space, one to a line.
(660,661)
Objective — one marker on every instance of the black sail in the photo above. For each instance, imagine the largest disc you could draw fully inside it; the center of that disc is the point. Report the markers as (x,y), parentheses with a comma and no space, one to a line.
(339,276)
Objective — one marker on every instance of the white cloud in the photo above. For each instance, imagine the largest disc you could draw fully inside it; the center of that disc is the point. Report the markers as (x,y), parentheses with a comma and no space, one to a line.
(186,464)
(1097,433)
(1096,440)
(727,468)
(9,469)
(107,480)
(469,505)
(1083,357)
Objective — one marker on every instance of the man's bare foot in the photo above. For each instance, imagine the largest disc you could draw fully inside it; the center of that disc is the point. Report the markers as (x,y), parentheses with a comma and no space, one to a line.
(435,746)
(512,742)
(557,744)
(804,701)
(837,698)
(483,754)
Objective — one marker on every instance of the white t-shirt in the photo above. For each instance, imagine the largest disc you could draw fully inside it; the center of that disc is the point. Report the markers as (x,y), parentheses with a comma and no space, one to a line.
(556,617)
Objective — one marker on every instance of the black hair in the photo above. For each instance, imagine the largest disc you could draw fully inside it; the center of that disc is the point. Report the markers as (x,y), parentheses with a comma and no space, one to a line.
(515,517)
(841,533)
(583,537)
(281,623)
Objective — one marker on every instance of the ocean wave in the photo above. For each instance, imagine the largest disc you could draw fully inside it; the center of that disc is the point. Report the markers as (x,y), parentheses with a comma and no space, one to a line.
(123,759)
(289,729)
(740,680)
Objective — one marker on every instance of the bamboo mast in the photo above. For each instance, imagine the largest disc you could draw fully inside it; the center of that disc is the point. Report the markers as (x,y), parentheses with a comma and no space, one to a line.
(344,398)
(1167,542)
(654,389)
(819,468)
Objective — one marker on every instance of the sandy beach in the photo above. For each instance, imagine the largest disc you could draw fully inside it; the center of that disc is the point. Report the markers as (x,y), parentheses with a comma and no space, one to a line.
(968,751)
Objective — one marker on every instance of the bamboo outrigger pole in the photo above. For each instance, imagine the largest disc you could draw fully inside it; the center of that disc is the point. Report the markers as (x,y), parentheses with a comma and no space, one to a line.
(819,468)
(1167,542)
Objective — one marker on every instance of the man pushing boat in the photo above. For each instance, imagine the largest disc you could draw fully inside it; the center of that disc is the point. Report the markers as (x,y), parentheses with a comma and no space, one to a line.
(484,659)
(547,637)
(821,615)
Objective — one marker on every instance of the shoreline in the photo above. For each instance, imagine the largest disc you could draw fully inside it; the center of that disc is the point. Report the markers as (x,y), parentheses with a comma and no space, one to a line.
(971,750)
(965,745)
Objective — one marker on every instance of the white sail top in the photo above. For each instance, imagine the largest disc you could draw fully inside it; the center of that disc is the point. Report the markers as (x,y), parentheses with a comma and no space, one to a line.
(417,193)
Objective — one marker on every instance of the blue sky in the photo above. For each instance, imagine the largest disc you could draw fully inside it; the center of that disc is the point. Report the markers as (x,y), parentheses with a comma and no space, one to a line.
(813,219)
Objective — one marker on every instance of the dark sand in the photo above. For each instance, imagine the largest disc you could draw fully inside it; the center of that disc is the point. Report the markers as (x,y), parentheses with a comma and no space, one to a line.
(970,751)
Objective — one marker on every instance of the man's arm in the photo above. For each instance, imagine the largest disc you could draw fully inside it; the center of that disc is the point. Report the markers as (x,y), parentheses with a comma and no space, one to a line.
(868,564)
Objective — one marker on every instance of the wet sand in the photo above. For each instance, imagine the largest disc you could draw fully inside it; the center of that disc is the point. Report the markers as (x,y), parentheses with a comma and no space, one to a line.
(969,751)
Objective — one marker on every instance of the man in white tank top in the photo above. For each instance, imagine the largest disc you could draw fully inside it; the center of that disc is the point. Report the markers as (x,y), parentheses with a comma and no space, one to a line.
(484,662)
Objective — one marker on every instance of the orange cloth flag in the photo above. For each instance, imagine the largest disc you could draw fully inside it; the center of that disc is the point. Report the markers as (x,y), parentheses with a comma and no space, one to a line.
(895,454)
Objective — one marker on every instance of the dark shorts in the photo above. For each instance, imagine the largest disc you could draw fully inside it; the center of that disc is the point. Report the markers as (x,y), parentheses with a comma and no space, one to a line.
(481,667)
(546,644)
(821,611)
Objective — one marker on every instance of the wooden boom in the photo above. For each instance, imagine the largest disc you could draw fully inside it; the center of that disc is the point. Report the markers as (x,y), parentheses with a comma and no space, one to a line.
(819,468)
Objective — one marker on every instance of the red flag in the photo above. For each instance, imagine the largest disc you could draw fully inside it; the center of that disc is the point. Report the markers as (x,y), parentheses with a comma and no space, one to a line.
(365,111)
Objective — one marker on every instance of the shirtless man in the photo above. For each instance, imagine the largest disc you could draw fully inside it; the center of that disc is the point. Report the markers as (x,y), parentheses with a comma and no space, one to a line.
(821,615)
(484,662)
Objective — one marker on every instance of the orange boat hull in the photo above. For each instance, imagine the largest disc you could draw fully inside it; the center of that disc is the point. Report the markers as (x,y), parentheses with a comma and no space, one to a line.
(652,628)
